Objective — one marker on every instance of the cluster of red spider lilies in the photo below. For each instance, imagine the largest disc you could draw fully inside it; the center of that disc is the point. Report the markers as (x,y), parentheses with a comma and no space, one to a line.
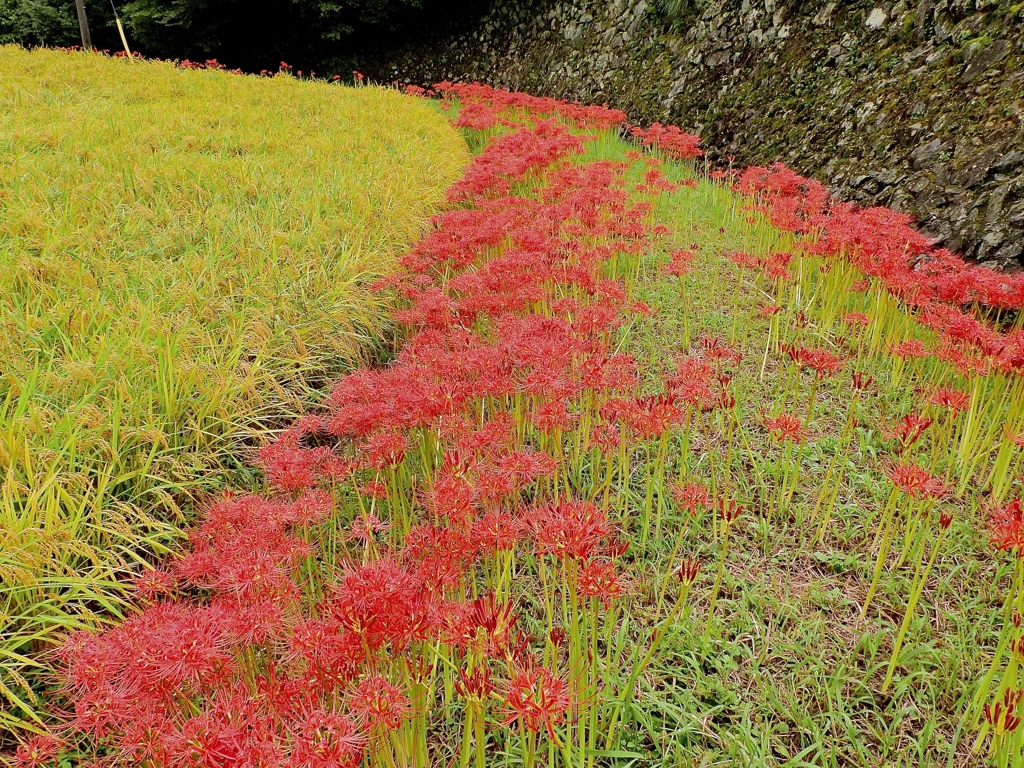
(441,568)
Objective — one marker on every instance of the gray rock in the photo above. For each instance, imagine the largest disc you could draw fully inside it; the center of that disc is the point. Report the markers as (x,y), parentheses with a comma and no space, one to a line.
(924,155)
(888,176)
(996,200)
(980,60)
(823,18)
(876,19)
(1008,162)
(1009,253)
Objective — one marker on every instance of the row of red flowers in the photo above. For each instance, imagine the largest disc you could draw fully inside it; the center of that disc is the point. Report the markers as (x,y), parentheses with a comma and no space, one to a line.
(449,539)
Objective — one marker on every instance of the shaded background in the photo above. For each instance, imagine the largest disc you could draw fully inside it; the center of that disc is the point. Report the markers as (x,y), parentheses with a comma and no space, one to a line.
(251,35)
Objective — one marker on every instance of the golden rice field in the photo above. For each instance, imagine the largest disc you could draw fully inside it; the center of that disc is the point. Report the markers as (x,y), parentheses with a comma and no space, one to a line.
(183,256)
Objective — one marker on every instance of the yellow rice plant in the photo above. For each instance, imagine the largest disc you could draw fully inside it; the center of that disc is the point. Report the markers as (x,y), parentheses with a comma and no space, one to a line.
(183,256)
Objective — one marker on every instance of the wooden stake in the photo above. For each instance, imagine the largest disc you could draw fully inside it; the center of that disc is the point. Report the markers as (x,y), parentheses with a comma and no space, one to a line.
(83,25)
(124,39)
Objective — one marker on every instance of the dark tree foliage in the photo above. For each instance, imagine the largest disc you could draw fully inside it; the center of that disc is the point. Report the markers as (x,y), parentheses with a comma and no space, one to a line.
(38,22)
(250,34)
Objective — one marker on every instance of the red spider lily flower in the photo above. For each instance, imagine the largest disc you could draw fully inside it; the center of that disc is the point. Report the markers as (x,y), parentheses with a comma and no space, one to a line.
(605,438)
(729,510)
(945,520)
(208,740)
(493,484)
(552,416)
(688,570)
(656,182)
(327,740)
(953,399)
(558,636)
(857,318)
(496,531)
(601,117)
(965,363)
(513,157)
(694,369)
(537,698)
(915,481)
(37,751)
(646,417)
(374,489)
(785,427)
(669,139)
(384,603)
(146,741)
(334,654)
(609,374)
(1008,527)
(416,90)
(769,310)
(484,624)
(385,449)
(497,435)
(859,286)
(526,466)
(716,349)
(154,584)
(568,529)
(478,117)
(821,361)
(691,497)
(775,266)
(308,424)
(377,704)
(680,263)
(597,578)
(617,548)
(452,497)
(692,383)
(365,527)
(312,507)
(910,349)
(438,555)
(676,269)
(242,549)
(1002,715)
(861,381)
(289,466)
(476,685)
(908,431)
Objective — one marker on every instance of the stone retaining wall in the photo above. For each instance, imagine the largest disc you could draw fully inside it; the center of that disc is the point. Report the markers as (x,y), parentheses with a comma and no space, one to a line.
(914,105)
